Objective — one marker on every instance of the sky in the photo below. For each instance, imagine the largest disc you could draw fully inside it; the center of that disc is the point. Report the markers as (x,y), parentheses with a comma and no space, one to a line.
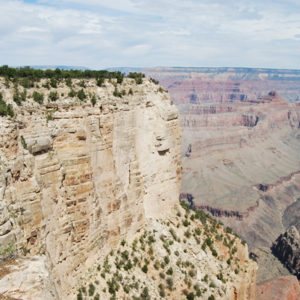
(147,33)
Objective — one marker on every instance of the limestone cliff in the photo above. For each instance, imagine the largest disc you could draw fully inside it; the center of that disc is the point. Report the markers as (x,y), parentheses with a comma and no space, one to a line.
(77,178)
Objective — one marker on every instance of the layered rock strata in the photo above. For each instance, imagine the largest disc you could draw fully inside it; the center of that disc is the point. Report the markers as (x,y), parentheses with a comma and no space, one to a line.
(76,178)
(287,249)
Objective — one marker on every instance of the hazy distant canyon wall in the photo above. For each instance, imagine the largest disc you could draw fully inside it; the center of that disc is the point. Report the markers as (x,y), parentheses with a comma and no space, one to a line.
(241,144)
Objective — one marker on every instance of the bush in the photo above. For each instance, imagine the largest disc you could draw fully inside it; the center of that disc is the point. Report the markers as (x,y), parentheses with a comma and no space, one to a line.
(17,97)
(38,97)
(91,289)
(8,252)
(53,83)
(190,296)
(161,290)
(93,100)
(154,80)
(145,269)
(79,295)
(82,84)
(72,93)
(5,109)
(26,83)
(53,96)
(116,93)
(170,271)
(170,283)
(23,142)
(100,81)
(228,230)
(138,77)
(81,95)
(166,259)
(68,82)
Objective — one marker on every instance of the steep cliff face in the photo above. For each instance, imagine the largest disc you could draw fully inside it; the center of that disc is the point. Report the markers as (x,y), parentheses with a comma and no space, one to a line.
(89,176)
(76,179)
(287,249)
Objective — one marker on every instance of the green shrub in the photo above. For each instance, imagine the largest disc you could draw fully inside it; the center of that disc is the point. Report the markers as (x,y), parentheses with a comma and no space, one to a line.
(186,223)
(161,291)
(8,252)
(72,93)
(38,97)
(91,289)
(166,259)
(93,100)
(23,142)
(170,283)
(100,81)
(154,80)
(26,83)
(81,95)
(145,269)
(190,296)
(53,96)
(170,271)
(192,273)
(5,109)
(116,93)
(138,77)
(16,96)
(187,234)
(53,82)
(79,295)
(228,230)
(82,84)
(68,82)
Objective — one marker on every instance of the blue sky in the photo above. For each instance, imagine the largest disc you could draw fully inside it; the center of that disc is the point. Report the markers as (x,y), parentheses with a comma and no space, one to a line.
(137,33)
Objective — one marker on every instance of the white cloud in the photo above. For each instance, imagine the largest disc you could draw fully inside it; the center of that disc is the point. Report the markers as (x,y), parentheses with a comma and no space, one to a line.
(101,33)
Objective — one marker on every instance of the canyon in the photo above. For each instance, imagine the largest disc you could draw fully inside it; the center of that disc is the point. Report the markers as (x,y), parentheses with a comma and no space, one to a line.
(83,180)
(240,150)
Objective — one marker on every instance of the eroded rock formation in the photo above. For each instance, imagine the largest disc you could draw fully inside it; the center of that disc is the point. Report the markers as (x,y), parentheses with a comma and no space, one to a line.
(76,179)
(88,176)
(287,249)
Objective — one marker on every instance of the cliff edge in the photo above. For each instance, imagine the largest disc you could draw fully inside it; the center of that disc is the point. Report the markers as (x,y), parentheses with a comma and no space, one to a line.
(83,167)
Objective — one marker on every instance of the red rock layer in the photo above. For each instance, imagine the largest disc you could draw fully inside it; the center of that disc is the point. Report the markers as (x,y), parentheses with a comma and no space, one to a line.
(281,288)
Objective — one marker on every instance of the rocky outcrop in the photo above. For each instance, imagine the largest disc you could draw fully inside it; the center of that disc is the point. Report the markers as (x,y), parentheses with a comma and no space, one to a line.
(77,178)
(287,249)
(270,266)
(281,288)
(188,256)
(26,278)
(79,181)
